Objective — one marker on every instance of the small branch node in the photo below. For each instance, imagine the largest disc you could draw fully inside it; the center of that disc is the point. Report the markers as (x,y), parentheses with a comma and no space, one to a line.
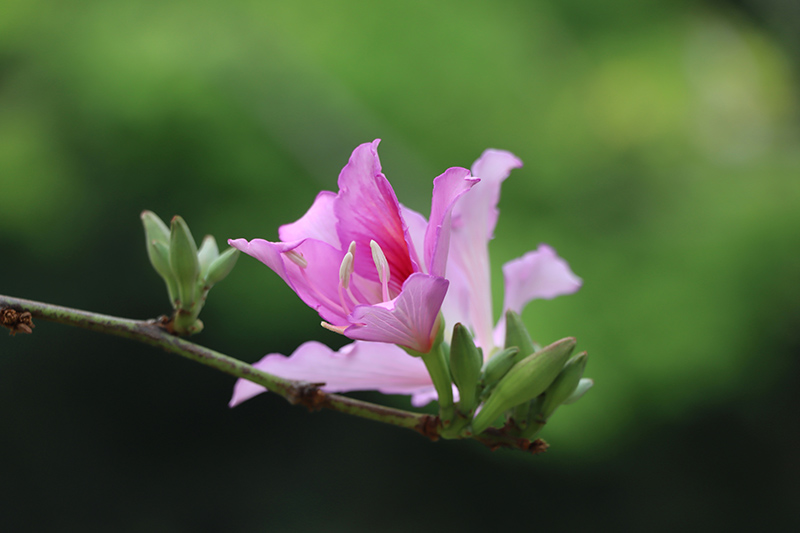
(16,321)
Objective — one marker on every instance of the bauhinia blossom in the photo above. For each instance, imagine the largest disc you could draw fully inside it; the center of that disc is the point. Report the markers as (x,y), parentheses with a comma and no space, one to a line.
(353,258)
(397,299)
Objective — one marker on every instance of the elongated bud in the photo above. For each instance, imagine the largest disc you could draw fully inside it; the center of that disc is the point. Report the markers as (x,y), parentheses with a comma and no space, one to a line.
(496,367)
(517,335)
(155,231)
(583,386)
(206,255)
(184,262)
(159,258)
(465,367)
(564,385)
(525,381)
(221,267)
(154,228)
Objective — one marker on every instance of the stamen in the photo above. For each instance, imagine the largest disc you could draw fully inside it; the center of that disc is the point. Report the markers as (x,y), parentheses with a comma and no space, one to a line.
(345,271)
(331,327)
(296,258)
(383,268)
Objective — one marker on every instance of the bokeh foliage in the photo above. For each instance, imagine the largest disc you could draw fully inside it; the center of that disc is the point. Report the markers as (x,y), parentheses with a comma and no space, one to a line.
(661,156)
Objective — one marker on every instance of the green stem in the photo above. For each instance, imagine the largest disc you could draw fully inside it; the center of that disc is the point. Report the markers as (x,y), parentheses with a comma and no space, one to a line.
(436,363)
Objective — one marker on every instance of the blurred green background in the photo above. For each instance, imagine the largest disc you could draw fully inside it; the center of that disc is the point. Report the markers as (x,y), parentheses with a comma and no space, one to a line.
(662,160)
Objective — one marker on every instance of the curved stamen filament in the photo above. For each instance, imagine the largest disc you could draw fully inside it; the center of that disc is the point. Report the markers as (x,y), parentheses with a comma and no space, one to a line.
(345,271)
(383,268)
(296,258)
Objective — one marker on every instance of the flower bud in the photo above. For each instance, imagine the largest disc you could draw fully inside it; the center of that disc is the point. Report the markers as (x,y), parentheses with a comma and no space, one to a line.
(583,385)
(184,262)
(497,366)
(159,258)
(465,367)
(525,381)
(517,335)
(156,236)
(563,386)
(206,255)
(154,228)
(221,267)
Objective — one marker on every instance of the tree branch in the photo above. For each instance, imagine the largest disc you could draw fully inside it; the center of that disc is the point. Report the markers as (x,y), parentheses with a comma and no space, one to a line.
(296,392)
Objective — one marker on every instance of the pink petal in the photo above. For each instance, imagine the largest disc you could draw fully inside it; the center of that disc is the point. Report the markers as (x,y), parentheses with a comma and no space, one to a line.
(447,188)
(318,223)
(473,220)
(317,284)
(367,209)
(357,366)
(492,167)
(537,274)
(407,320)
(417,225)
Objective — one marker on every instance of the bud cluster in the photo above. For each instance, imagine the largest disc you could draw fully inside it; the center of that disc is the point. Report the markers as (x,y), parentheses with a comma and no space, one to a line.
(519,387)
(188,272)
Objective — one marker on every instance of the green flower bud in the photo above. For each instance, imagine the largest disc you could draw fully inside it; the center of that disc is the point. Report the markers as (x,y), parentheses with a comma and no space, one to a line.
(563,386)
(154,228)
(221,267)
(525,381)
(206,255)
(497,366)
(184,262)
(583,385)
(465,367)
(517,335)
(159,258)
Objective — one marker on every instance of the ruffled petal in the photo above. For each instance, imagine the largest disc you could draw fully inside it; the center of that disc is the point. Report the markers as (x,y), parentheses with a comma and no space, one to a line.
(356,367)
(367,209)
(537,274)
(318,223)
(447,188)
(407,320)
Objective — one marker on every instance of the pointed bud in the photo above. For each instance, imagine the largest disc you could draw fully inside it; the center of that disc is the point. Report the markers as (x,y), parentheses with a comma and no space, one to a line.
(583,386)
(206,255)
(465,366)
(496,367)
(517,335)
(155,231)
(563,386)
(221,267)
(159,258)
(184,262)
(154,228)
(525,381)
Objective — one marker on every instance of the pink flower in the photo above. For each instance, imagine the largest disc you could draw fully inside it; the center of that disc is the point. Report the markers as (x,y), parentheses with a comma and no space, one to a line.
(353,258)
(464,227)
